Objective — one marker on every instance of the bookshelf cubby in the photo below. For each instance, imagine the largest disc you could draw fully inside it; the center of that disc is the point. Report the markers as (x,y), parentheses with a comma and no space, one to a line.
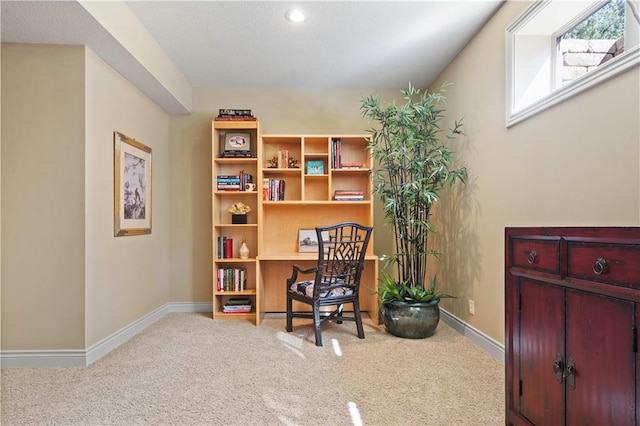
(308,201)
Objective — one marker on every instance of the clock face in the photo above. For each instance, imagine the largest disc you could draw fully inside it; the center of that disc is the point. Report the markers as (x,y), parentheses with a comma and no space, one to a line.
(237,141)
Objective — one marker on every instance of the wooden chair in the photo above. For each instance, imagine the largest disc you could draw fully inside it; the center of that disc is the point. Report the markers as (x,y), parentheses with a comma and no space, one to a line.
(336,279)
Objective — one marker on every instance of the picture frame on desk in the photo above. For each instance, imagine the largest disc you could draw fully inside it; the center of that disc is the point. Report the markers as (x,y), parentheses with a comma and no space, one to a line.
(132,186)
(308,240)
(315,167)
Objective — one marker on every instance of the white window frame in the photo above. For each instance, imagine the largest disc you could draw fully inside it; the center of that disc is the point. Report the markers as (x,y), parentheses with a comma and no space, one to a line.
(518,110)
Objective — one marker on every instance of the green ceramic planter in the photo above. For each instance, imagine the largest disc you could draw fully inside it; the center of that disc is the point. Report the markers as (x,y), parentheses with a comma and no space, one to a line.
(411,320)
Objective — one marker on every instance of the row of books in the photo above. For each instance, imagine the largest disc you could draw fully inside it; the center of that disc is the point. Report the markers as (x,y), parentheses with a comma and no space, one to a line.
(348,195)
(336,157)
(336,153)
(231,279)
(234,182)
(273,189)
(237,305)
(225,247)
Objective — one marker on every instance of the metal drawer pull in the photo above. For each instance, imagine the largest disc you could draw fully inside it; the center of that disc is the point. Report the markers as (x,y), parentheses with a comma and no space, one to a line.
(558,368)
(600,266)
(570,374)
(532,257)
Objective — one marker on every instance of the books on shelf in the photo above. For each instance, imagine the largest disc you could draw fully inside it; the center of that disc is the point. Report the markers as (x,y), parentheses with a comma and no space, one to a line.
(348,195)
(283,159)
(233,182)
(231,113)
(236,154)
(273,189)
(344,165)
(337,157)
(231,279)
(336,153)
(237,305)
(238,118)
(225,247)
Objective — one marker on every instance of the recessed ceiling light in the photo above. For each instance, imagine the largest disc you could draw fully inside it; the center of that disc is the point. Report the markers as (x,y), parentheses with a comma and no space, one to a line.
(295,15)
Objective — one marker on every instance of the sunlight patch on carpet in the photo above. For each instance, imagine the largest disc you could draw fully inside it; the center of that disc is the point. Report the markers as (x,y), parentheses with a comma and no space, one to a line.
(355,414)
(336,347)
(291,342)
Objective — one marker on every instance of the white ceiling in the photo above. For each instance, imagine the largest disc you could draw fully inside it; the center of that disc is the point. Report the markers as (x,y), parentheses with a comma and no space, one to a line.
(343,44)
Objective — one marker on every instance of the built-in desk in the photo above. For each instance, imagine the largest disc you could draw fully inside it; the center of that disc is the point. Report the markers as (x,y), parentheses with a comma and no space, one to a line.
(274,270)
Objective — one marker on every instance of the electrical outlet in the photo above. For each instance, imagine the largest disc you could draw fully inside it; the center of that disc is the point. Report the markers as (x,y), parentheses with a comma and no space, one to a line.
(472,307)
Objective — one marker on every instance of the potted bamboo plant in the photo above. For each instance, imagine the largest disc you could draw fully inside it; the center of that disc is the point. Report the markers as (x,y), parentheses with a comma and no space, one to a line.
(414,162)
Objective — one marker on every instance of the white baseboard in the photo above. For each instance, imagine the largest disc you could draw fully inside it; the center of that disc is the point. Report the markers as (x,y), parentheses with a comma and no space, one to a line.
(84,357)
(493,347)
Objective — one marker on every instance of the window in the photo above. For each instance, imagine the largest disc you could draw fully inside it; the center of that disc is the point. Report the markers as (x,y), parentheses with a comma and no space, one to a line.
(558,48)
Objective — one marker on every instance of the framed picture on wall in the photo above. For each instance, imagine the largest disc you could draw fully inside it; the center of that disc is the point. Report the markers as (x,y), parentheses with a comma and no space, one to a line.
(132,186)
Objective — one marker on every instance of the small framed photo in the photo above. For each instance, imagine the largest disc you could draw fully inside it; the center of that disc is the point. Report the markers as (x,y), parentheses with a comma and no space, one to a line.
(308,240)
(237,141)
(315,167)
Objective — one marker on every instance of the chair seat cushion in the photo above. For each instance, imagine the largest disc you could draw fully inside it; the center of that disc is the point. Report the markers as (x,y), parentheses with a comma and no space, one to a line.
(305,288)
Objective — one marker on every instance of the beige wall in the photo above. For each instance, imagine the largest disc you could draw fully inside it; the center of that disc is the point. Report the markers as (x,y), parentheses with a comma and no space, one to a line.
(67,282)
(279,111)
(43,202)
(126,277)
(574,164)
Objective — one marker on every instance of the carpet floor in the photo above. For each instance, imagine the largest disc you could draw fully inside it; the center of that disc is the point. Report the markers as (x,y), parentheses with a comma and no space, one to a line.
(187,369)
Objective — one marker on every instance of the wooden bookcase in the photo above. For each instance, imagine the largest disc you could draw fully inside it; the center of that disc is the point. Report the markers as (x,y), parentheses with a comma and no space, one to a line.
(222,220)
(306,202)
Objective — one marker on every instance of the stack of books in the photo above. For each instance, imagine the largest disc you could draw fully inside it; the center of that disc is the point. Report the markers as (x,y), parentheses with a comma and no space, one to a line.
(231,114)
(228,183)
(348,195)
(344,165)
(237,305)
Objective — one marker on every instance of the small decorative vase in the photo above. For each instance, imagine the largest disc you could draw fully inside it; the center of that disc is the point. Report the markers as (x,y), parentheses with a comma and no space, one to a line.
(244,250)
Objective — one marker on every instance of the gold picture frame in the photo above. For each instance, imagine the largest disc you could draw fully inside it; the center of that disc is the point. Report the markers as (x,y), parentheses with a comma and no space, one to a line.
(132,186)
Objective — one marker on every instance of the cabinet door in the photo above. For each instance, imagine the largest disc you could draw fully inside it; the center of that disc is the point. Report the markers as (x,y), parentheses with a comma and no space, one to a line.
(541,340)
(600,339)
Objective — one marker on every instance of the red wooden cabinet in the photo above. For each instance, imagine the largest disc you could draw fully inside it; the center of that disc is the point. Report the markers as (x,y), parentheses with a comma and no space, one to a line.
(572,313)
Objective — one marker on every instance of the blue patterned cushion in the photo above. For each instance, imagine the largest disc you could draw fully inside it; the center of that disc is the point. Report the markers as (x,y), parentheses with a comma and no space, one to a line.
(305,288)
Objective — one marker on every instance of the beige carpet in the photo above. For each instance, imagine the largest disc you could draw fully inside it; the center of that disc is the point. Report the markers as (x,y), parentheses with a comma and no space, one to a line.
(187,369)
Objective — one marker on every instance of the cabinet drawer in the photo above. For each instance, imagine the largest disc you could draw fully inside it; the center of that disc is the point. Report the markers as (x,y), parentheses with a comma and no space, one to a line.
(610,263)
(538,254)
